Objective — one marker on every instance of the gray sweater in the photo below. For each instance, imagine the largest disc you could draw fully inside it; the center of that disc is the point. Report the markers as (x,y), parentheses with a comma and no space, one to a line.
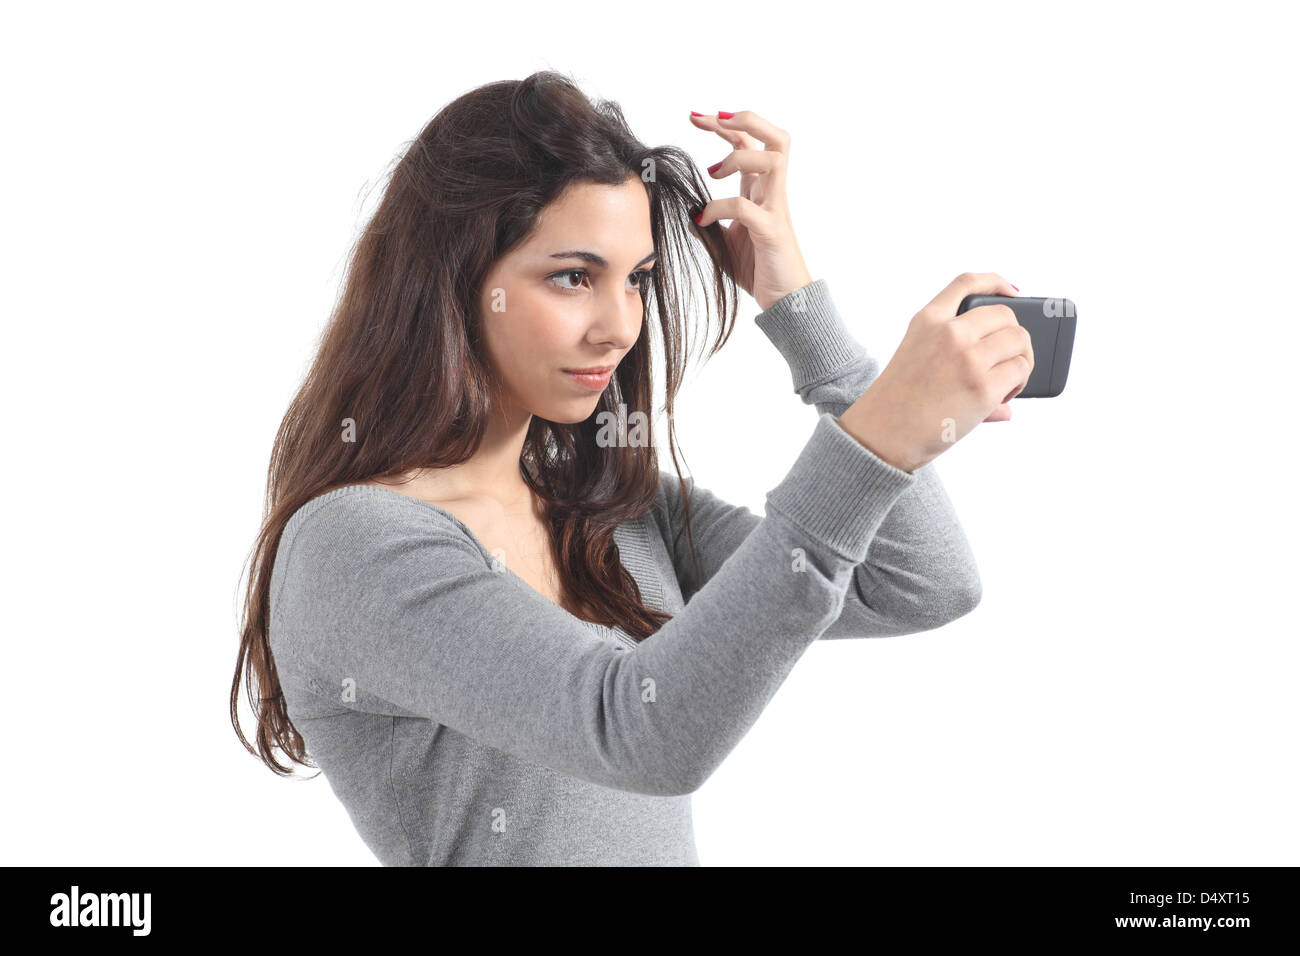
(464,719)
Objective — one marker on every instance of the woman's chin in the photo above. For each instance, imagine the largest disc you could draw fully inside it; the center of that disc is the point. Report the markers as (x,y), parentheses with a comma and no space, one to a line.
(574,412)
(575,415)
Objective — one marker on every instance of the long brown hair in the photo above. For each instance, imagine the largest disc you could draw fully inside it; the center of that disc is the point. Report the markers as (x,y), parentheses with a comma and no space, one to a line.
(402,355)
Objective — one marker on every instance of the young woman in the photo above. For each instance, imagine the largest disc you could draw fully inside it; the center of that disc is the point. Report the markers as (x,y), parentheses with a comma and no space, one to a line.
(506,636)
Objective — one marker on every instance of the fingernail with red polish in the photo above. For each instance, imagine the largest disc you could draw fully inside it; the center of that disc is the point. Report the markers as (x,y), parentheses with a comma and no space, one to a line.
(722,115)
(693,113)
(1016,287)
(715,166)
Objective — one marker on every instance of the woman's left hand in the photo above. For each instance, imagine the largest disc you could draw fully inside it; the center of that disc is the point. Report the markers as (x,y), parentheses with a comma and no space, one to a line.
(768,263)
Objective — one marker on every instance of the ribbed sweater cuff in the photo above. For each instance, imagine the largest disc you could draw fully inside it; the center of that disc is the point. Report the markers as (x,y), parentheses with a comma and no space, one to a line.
(810,333)
(838,490)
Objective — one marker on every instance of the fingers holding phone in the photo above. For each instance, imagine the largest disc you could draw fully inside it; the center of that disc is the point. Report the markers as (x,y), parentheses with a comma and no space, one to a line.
(945,304)
(1007,352)
(951,372)
(1050,325)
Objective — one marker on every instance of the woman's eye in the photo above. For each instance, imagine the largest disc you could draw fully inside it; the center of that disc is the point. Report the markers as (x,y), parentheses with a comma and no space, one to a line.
(564,275)
(642,276)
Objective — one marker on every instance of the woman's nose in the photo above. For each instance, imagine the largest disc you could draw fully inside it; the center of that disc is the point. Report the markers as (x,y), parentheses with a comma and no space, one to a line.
(620,325)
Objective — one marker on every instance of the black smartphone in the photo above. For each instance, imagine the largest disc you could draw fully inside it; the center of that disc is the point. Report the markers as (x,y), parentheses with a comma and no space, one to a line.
(1050,323)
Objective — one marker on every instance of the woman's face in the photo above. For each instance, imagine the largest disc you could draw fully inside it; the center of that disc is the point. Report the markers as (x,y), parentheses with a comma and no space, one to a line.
(569,297)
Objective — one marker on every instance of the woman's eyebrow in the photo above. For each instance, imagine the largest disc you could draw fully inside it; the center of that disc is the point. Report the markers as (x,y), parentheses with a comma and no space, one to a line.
(596,260)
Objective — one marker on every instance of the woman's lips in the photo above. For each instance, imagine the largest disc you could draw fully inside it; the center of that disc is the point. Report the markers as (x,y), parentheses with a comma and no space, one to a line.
(596,381)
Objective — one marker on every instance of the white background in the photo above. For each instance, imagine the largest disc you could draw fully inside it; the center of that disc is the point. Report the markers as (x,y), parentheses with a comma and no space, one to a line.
(181,190)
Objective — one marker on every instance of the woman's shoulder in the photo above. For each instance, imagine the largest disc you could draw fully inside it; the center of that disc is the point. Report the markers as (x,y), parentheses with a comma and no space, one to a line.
(668,500)
(354,535)
(665,512)
(356,521)
(352,514)
(365,502)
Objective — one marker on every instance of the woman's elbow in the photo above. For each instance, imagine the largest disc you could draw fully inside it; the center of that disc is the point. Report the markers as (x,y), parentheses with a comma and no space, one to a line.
(956,602)
(943,605)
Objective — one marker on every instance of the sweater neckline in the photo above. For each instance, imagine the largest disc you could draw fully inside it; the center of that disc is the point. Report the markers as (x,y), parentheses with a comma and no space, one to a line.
(469,533)
(338,492)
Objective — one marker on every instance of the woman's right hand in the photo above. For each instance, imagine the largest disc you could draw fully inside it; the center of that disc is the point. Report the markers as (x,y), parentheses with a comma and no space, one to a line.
(950,373)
